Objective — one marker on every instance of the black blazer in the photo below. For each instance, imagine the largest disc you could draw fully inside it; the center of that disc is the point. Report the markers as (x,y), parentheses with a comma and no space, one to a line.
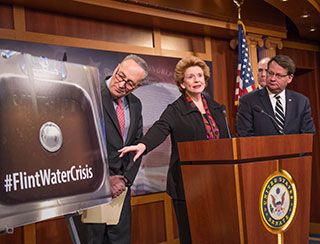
(183,123)
(121,166)
(251,122)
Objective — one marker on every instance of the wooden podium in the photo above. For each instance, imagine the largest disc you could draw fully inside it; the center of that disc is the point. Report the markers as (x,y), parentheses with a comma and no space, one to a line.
(223,181)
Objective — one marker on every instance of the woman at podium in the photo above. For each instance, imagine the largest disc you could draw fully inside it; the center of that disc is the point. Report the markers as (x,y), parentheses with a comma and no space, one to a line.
(193,116)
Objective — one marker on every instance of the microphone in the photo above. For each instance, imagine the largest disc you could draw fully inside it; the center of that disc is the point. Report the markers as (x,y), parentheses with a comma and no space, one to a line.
(258,109)
(226,120)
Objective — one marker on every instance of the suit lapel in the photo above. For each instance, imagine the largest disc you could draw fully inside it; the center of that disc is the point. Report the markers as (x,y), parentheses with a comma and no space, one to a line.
(107,102)
(133,112)
(266,103)
(289,108)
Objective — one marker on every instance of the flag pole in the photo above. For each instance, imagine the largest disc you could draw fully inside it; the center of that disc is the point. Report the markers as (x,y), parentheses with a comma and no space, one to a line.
(244,80)
(238,3)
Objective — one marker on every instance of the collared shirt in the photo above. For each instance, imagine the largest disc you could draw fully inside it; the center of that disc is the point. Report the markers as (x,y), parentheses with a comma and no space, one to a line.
(126,111)
(274,100)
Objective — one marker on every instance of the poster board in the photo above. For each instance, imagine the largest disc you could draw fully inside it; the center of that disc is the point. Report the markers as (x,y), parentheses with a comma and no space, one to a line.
(52,153)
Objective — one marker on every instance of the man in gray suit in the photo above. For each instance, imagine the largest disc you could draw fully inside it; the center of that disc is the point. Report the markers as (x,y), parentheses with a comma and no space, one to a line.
(123,126)
(274,109)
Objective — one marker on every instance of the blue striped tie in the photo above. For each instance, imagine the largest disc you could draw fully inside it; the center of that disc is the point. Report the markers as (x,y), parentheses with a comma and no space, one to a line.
(279,113)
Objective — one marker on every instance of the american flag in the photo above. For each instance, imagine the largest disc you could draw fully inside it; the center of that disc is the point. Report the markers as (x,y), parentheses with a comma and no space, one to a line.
(244,81)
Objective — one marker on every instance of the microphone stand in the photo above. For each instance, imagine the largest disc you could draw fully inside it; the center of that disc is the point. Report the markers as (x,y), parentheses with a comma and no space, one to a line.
(260,110)
(227,124)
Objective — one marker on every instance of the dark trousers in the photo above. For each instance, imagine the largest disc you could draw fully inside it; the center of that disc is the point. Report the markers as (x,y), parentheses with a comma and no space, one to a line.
(112,234)
(180,209)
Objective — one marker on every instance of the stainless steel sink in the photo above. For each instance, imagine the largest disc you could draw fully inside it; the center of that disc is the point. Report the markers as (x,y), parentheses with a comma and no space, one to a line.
(52,156)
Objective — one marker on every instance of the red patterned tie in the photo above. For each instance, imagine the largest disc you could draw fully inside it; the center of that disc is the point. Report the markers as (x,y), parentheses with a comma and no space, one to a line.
(120,115)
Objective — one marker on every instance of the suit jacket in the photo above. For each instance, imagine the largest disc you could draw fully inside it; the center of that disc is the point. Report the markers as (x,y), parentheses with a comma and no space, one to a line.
(121,166)
(183,123)
(252,122)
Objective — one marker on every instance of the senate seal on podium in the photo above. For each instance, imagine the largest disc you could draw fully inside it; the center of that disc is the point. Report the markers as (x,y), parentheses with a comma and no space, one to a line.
(278,201)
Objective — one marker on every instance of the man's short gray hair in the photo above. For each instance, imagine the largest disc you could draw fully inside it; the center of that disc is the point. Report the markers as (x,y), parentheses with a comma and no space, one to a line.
(140,61)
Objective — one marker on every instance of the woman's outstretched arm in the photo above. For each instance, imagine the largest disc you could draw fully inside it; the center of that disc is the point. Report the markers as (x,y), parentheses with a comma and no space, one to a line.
(138,150)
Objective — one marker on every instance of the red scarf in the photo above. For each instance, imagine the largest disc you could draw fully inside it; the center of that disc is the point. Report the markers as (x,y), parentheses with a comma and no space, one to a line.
(212,130)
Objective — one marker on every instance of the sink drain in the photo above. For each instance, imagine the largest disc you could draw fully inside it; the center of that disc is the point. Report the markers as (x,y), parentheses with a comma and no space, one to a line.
(50,136)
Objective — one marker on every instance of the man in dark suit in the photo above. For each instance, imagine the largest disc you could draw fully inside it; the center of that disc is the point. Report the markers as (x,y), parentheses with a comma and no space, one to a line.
(123,126)
(274,109)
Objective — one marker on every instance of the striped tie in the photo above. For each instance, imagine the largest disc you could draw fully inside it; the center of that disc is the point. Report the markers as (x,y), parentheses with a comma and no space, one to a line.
(279,113)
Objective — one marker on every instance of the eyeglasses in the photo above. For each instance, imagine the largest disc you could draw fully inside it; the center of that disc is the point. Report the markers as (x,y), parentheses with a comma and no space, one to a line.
(129,84)
(277,75)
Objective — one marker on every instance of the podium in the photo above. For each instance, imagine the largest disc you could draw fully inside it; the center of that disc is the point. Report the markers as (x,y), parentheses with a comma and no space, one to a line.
(223,180)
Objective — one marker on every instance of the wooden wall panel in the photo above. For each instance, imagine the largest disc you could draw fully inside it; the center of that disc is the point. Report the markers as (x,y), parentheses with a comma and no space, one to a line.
(6,16)
(175,225)
(15,238)
(153,221)
(173,41)
(63,25)
(303,59)
(54,231)
(224,63)
(148,223)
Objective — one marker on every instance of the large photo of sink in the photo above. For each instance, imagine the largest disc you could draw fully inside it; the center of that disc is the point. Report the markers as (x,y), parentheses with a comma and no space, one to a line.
(52,152)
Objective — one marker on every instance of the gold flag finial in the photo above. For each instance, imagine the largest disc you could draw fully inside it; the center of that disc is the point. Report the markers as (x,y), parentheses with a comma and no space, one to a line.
(238,3)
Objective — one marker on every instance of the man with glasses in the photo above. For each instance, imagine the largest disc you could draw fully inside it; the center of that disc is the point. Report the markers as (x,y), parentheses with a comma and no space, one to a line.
(123,126)
(274,109)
